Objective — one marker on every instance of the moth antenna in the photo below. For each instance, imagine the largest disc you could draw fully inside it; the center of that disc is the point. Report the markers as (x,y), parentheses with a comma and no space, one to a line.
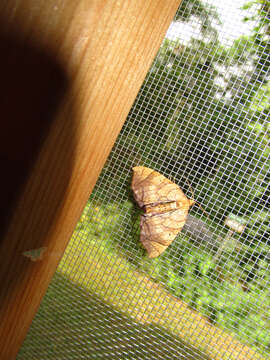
(200,206)
(196,202)
(191,190)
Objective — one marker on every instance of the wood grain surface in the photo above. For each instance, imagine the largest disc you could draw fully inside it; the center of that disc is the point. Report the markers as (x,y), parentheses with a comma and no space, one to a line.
(70,72)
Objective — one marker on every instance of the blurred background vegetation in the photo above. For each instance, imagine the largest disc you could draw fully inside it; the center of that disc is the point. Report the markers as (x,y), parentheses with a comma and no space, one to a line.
(202,114)
(205,106)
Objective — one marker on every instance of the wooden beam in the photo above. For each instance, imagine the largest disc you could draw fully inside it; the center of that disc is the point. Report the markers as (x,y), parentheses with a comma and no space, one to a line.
(71,72)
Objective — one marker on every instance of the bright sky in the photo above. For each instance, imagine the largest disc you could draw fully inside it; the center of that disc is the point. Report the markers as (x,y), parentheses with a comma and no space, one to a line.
(232,26)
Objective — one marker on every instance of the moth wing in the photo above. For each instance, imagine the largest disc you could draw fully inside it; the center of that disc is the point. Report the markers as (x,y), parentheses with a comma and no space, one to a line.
(154,249)
(159,231)
(150,187)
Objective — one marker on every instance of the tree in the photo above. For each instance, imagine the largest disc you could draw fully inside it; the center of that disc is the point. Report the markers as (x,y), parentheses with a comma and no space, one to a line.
(196,116)
(202,114)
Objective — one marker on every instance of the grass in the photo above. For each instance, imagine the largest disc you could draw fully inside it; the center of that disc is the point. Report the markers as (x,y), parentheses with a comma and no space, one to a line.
(73,323)
(188,271)
(99,305)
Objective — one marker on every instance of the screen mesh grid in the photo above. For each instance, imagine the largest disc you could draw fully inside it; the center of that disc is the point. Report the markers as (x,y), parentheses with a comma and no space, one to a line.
(201,117)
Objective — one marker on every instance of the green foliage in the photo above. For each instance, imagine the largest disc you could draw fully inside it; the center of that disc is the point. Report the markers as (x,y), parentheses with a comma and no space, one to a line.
(215,290)
(224,289)
(105,223)
(203,114)
(197,115)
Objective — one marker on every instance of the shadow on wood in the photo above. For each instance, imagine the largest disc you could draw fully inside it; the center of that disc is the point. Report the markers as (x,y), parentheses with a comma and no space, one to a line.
(31,89)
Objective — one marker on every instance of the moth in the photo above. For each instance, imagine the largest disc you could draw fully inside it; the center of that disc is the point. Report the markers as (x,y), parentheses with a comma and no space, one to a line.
(165,209)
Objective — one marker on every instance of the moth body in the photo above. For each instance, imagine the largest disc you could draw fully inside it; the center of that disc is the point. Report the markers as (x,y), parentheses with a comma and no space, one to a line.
(159,208)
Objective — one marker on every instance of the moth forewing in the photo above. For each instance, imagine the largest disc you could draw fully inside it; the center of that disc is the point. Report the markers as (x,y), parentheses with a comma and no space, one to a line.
(165,209)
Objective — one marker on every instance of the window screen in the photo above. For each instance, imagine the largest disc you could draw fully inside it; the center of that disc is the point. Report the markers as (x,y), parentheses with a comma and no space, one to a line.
(200,119)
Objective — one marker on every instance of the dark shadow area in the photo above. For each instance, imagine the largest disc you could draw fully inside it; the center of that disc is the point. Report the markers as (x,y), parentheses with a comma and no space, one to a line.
(74,324)
(31,89)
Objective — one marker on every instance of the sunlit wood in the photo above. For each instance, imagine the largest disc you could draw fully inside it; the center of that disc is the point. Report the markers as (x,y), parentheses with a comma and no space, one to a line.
(90,59)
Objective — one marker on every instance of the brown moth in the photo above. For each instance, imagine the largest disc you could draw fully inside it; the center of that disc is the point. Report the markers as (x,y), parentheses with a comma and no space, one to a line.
(165,209)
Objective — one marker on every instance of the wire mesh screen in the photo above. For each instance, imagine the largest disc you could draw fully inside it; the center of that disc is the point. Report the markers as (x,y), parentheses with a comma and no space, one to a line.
(201,120)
